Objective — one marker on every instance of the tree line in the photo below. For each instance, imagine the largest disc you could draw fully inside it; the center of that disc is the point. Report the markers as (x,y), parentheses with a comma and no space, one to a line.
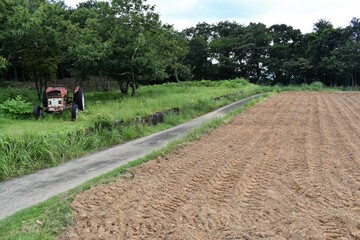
(125,41)
(279,54)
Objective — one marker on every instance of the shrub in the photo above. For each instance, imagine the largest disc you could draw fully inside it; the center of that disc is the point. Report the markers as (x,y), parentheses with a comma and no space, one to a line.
(317,85)
(103,121)
(10,93)
(236,83)
(16,108)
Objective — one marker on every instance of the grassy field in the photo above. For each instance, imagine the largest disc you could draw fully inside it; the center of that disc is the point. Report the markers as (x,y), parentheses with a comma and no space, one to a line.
(29,145)
(114,106)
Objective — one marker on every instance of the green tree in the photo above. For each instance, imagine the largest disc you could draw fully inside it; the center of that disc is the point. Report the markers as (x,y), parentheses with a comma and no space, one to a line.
(223,48)
(175,48)
(199,57)
(255,52)
(285,55)
(125,41)
(137,55)
(32,38)
(320,45)
(91,43)
(344,61)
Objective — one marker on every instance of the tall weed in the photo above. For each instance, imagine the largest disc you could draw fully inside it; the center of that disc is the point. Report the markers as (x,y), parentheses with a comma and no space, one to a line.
(16,108)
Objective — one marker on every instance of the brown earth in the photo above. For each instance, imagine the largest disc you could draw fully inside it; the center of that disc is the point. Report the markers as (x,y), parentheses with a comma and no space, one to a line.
(288,168)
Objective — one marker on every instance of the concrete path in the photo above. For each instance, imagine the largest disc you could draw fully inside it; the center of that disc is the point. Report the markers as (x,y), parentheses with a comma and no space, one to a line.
(25,191)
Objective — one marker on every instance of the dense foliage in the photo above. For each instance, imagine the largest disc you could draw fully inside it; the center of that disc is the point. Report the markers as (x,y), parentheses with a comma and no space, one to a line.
(16,108)
(125,40)
(276,55)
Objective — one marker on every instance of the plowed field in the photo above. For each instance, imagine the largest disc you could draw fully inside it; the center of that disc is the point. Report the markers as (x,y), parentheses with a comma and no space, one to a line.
(288,168)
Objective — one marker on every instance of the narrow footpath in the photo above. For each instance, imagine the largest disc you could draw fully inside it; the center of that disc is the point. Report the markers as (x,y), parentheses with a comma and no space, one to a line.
(26,191)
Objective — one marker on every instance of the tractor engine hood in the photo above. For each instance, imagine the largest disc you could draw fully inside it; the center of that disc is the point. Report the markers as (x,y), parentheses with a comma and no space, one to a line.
(56,92)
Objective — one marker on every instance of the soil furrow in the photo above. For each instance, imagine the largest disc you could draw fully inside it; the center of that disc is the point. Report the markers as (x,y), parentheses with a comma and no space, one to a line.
(287,168)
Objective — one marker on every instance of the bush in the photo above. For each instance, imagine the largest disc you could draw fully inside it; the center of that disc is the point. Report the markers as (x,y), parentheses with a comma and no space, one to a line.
(16,108)
(11,93)
(236,83)
(103,121)
(317,85)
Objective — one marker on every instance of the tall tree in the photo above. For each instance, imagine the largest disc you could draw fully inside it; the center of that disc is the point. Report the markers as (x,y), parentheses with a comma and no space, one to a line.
(91,46)
(284,54)
(255,48)
(137,55)
(175,48)
(227,39)
(347,55)
(199,53)
(32,37)
(320,45)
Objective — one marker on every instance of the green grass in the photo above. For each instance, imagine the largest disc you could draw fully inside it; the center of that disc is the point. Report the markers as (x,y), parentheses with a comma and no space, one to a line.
(49,219)
(315,86)
(150,99)
(29,145)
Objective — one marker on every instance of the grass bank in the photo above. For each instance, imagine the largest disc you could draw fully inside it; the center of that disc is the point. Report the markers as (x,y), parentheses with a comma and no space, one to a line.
(29,145)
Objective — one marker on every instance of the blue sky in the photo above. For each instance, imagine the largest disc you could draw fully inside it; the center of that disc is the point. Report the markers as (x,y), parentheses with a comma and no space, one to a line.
(300,14)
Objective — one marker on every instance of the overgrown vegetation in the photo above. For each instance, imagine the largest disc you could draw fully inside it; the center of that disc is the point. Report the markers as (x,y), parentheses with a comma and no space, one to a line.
(50,218)
(16,108)
(29,145)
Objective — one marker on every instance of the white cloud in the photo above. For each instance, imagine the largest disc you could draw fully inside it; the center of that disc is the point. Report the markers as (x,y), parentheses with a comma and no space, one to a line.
(72,3)
(173,6)
(301,14)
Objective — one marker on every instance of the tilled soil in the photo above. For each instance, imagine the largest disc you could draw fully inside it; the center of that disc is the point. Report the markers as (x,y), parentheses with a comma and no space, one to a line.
(288,168)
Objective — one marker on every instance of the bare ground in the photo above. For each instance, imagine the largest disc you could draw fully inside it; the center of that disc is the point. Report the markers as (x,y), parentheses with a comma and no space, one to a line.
(288,168)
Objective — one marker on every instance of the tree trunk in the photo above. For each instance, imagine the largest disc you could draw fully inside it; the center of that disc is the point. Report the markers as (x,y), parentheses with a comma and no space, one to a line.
(176,74)
(133,89)
(106,84)
(46,83)
(16,75)
(133,83)
(352,81)
(124,87)
(38,88)
(353,77)
(96,83)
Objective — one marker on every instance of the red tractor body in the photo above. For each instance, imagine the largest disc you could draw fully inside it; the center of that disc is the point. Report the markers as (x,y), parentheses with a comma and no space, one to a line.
(56,100)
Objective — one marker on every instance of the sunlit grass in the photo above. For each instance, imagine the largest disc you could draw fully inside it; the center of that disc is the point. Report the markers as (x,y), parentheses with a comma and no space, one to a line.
(30,145)
(150,99)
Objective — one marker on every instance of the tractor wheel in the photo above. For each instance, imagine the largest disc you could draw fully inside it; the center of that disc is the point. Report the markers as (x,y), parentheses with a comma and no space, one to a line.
(74,112)
(79,99)
(38,112)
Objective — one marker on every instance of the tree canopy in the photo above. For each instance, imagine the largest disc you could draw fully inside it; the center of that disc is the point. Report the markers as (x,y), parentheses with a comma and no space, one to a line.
(125,40)
(278,54)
